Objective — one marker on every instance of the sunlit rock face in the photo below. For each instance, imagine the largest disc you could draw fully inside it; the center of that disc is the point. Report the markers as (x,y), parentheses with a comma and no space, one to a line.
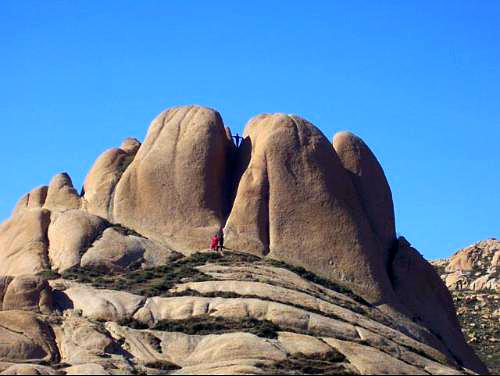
(296,202)
(311,268)
(174,189)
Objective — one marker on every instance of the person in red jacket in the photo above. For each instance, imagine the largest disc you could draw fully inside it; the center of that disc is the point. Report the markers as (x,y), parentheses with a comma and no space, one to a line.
(214,243)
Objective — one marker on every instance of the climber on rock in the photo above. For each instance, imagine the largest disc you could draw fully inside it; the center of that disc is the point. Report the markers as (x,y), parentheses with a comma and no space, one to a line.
(237,139)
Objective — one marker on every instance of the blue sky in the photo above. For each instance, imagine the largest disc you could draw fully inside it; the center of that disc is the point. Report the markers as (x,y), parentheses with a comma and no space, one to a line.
(419,81)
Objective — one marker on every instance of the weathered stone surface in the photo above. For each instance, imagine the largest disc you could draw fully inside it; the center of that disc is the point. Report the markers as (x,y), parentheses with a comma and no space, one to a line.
(81,341)
(292,171)
(101,181)
(115,252)
(472,268)
(70,234)
(287,287)
(33,200)
(191,350)
(29,369)
(4,283)
(296,199)
(174,189)
(245,367)
(130,145)
(286,317)
(87,369)
(274,276)
(23,243)
(28,293)
(423,293)
(101,304)
(25,338)
(61,194)
(370,183)
(294,344)
(370,361)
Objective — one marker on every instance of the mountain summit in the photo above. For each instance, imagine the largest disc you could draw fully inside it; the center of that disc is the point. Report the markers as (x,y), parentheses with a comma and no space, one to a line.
(118,279)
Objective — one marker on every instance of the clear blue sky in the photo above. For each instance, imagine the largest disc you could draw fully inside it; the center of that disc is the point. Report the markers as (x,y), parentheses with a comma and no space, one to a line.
(419,81)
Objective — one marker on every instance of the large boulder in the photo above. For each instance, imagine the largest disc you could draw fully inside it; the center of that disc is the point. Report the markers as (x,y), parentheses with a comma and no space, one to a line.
(61,194)
(115,252)
(81,341)
(371,185)
(70,234)
(295,202)
(421,290)
(25,338)
(101,181)
(23,243)
(99,304)
(174,189)
(28,293)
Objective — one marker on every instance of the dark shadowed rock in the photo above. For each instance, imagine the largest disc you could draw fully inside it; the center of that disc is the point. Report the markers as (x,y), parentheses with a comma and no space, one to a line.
(28,293)
(421,290)
(25,338)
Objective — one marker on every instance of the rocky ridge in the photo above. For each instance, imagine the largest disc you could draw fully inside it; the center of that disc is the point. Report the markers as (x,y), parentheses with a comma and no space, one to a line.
(471,274)
(112,280)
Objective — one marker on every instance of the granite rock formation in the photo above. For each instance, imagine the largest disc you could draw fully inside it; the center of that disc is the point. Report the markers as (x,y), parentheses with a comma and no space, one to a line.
(116,279)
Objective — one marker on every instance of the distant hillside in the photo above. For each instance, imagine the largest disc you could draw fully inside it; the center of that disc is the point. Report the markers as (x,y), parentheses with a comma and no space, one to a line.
(471,274)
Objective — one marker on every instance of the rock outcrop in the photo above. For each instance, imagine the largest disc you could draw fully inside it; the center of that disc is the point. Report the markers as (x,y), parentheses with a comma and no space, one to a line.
(61,194)
(473,268)
(291,171)
(471,274)
(117,252)
(116,279)
(70,234)
(371,185)
(23,243)
(27,293)
(173,190)
(420,289)
(104,175)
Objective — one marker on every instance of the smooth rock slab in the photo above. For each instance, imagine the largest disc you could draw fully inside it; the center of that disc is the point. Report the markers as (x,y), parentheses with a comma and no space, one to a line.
(61,194)
(115,252)
(192,350)
(70,234)
(370,361)
(81,341)
(23,243)
(287,317)
(101,304)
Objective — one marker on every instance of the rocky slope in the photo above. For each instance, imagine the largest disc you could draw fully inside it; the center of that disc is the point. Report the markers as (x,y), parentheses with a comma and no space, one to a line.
(115,279)
(472,276)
